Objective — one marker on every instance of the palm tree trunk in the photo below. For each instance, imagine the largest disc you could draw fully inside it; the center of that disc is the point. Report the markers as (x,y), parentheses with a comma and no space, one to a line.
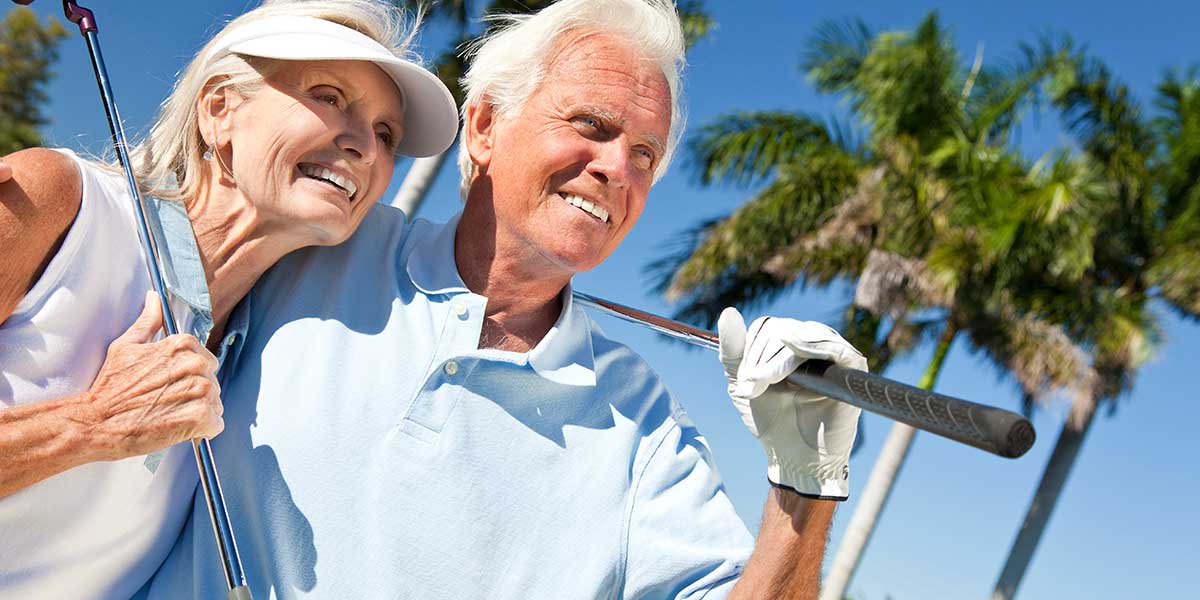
(417,182)
(879,485)
(1066,450)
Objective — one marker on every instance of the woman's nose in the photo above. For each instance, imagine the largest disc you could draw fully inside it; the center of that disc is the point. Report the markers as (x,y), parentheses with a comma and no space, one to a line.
(358,140)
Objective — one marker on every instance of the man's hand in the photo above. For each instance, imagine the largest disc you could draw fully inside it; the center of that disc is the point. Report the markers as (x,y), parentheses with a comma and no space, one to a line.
(5,172)
(807,436)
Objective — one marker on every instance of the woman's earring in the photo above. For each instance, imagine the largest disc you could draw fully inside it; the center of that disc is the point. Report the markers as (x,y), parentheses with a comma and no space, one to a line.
(208,153)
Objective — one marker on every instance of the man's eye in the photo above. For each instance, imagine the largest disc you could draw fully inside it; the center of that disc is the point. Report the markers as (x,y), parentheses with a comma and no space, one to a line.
(645,157)
(590,122)
(387,138)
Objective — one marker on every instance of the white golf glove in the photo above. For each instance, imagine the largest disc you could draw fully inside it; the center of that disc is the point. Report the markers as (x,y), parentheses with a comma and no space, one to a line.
(807,436)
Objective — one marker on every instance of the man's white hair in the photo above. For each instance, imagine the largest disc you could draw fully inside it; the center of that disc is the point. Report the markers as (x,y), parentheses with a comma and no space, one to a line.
(509,62)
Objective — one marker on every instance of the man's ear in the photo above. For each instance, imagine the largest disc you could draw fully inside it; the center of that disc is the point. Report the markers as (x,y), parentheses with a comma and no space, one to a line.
(215,113)
(480,122)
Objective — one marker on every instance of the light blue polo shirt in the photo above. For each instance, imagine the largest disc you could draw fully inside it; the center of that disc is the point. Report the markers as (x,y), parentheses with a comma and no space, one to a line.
(372,451)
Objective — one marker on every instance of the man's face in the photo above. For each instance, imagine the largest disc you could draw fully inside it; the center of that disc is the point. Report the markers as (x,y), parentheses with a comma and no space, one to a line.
(591,134)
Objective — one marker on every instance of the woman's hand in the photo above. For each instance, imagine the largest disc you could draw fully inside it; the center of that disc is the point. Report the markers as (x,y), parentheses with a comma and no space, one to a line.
(147,396)
(150,395)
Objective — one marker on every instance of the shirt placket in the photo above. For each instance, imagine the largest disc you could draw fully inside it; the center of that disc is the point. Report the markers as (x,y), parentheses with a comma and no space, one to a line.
(449,369)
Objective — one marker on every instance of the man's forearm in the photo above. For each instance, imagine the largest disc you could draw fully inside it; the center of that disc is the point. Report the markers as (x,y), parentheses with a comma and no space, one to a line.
(786,563)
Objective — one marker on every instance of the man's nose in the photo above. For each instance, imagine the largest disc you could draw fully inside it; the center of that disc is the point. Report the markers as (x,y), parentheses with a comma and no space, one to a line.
(611,163)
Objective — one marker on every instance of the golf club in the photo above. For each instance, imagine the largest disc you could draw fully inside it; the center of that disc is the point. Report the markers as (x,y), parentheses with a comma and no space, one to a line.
(230,561)
(991,429)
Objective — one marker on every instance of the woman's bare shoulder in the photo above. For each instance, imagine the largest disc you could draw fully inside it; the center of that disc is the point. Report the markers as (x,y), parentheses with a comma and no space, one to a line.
(38,204)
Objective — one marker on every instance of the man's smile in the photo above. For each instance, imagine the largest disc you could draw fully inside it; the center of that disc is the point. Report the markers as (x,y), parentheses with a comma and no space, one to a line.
(585,205)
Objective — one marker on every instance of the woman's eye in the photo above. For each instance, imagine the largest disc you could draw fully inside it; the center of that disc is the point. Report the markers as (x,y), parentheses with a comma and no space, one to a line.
(327,95)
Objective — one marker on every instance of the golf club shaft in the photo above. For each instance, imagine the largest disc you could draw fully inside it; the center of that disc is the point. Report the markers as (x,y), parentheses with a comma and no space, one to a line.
(230,561)
(994,430)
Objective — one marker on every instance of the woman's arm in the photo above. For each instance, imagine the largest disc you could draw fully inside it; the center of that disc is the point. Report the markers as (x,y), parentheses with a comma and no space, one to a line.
(148,395)
(38,203)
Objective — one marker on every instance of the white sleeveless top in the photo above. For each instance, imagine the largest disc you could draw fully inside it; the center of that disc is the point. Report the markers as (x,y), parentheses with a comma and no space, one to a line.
(99,530)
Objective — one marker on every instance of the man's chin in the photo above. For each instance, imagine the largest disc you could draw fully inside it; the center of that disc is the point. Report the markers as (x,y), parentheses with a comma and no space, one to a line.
(572,261)
(586,263)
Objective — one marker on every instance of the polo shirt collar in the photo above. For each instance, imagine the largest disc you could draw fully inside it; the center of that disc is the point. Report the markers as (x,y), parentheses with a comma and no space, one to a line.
(565,353)
(431,265)
(563,356)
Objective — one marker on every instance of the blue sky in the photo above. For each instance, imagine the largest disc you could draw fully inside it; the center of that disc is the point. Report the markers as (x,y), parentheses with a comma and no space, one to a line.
(1124,526)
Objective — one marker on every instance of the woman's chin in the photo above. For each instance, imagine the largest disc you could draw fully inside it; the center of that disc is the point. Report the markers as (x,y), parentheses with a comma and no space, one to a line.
(322,226)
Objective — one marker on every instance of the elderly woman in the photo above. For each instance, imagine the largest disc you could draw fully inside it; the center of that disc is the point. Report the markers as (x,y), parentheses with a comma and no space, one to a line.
(280,134)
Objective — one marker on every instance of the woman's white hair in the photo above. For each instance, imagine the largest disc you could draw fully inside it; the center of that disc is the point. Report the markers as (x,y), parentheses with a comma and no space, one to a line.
(510,60)
(168,162)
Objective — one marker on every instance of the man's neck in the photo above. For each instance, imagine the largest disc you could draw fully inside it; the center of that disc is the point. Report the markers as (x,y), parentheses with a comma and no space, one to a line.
(523,288)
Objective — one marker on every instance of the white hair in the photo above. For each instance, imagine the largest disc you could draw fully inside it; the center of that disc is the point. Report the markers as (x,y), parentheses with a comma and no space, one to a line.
(168,162)
(510,60)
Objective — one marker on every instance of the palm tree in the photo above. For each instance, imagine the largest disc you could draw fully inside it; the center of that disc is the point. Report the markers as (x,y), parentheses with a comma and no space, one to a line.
(1149,224)
(943,226)
(450,67)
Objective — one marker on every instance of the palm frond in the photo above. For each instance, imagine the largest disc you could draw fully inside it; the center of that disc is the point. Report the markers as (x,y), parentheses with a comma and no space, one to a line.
(1178,129)
(835,245)
(787,209)
(745,147)
(910,84)
(1177,275)
(702,303)
(1105,118)
(834,55)
(1006,92)
(1038,354)
(696,21)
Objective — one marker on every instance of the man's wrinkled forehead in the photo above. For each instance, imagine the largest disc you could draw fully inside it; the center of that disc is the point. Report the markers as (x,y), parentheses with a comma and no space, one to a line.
(583,59)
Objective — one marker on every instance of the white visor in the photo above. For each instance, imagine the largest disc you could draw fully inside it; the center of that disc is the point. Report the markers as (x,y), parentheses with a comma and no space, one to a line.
(430,116)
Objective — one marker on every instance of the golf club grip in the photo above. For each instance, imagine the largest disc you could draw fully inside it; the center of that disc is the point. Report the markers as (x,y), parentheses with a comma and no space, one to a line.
(991,429)
(994,430)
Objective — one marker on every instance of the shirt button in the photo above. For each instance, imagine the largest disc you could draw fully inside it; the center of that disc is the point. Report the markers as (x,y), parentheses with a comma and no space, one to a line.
(450,368)
(459,308)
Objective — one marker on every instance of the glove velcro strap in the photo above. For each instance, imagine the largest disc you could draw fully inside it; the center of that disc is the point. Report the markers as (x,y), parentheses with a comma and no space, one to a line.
(804,495)
(806,485)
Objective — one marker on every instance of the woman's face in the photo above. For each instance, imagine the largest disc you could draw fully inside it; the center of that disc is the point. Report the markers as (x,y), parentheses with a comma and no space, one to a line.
(315,147)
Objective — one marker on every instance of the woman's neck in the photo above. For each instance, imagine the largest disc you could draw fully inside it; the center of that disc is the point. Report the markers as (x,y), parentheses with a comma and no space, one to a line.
(235,248)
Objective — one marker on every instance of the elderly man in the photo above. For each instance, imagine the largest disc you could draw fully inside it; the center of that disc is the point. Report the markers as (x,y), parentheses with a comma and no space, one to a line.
(423,413)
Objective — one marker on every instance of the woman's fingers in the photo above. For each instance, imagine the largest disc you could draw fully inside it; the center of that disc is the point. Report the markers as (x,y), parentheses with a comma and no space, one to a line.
(150,395)
(147,324)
